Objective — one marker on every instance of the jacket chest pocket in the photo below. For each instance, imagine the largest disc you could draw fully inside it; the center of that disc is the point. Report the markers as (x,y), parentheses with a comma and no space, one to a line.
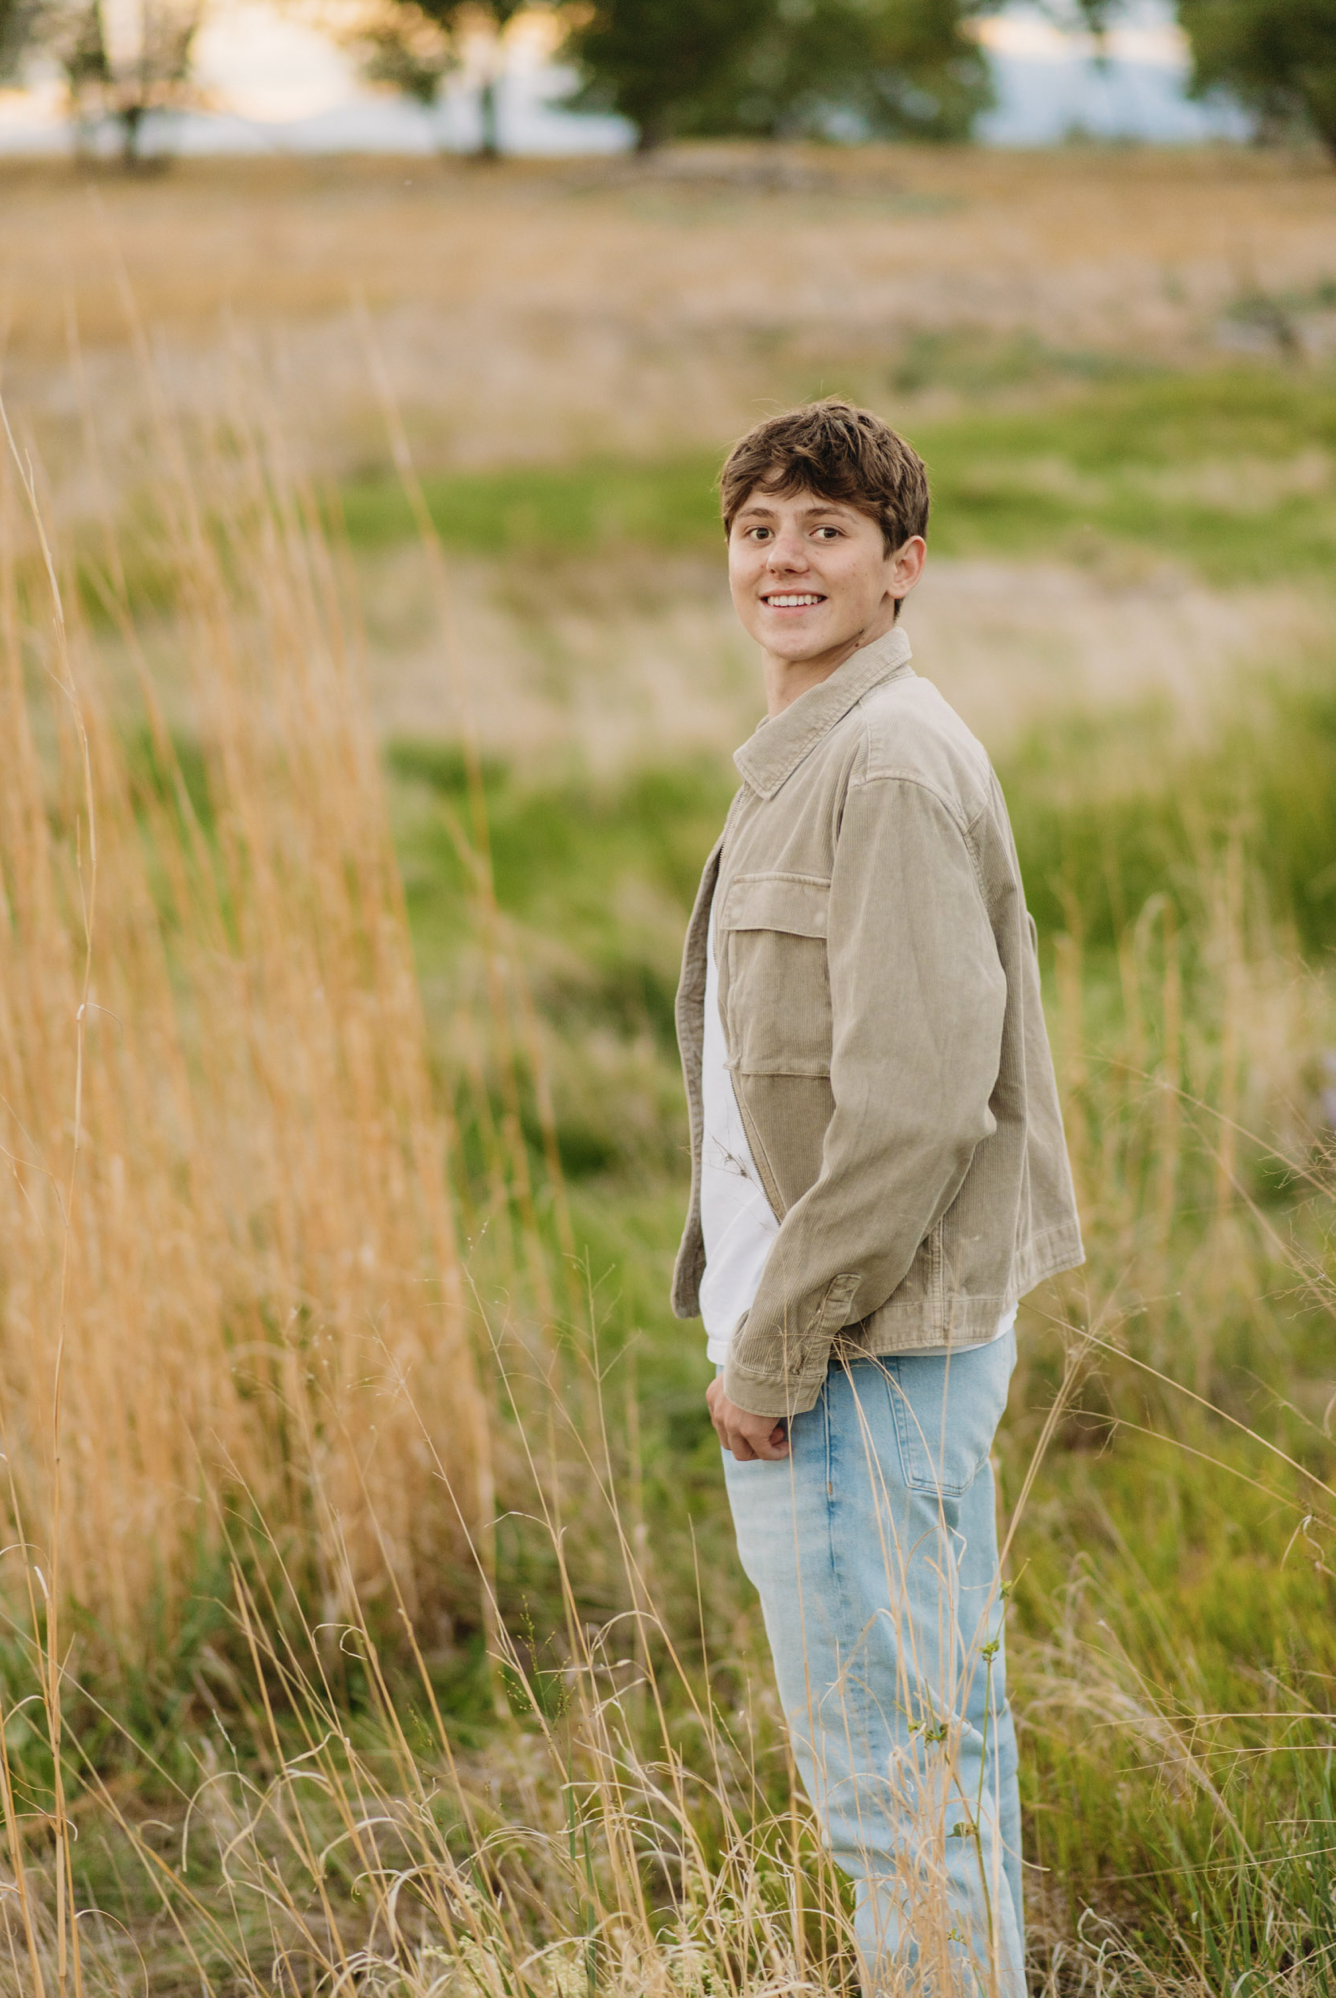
(774,982)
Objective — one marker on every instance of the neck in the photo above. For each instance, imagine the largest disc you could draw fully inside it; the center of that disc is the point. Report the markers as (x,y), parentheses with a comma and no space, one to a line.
(786,680)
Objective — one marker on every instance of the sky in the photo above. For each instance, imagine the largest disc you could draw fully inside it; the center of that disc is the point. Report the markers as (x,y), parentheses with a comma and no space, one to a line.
(271,81)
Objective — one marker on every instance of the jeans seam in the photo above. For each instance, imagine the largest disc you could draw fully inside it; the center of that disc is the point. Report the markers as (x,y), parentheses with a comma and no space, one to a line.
(830,1478)
(841,1603)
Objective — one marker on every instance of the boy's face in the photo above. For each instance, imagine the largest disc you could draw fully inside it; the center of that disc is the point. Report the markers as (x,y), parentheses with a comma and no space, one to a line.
(812,579)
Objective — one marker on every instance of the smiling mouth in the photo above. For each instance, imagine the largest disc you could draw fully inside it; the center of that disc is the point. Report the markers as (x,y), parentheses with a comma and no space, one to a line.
(793,600)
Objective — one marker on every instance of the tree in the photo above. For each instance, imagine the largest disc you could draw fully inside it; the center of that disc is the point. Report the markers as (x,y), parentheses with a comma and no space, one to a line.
(784,67)
(493,18)
(658,61)
(412,45)
(405,50)
(120,62)
(866,68)
(1277,57)
(18,22)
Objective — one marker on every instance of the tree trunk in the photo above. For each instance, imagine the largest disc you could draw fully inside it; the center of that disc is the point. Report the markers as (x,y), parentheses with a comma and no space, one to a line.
(489,142)
(653,131)
(1323,116)
(131,121)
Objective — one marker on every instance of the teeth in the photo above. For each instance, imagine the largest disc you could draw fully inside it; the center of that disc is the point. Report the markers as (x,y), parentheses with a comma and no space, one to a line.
(791,603)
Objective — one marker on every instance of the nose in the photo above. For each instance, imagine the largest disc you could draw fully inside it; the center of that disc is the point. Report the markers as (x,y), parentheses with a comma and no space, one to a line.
(788,550)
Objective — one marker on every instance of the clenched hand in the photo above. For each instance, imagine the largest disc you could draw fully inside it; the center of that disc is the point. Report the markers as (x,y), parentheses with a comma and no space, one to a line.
(747,1436)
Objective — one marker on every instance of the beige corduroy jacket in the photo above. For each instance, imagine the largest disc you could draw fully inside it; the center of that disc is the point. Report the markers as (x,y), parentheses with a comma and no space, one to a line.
(879,990)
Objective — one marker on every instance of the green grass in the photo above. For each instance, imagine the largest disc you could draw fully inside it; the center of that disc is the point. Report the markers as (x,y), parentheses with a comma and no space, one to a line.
(1096,848)
(1106,816)
(1231,472)
(1174,1658)
(597,503)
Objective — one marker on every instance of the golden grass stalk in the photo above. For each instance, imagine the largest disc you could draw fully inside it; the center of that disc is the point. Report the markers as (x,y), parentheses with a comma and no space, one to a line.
(222,1145)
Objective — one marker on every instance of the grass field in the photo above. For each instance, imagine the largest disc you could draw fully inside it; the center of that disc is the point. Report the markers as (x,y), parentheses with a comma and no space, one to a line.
(343,1126)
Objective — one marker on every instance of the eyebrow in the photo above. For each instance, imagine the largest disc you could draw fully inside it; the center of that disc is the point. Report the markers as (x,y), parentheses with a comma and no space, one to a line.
(808,512)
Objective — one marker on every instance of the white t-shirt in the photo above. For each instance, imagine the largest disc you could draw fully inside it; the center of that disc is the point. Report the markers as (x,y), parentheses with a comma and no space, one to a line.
(737,1221)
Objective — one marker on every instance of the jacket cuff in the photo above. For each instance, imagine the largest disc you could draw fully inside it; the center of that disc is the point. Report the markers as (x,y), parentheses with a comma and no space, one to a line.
(768,1394)
(788,1379)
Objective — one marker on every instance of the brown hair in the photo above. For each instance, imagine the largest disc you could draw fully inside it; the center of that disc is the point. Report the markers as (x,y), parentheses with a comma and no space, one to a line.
(839,452)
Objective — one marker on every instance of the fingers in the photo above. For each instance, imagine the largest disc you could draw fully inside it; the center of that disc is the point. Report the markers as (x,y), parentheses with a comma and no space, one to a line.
(748,1447)
(731,1437)
(748,1437)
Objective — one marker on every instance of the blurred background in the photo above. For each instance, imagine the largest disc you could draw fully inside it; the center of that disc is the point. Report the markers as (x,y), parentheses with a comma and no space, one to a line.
(370,688)
(253,76)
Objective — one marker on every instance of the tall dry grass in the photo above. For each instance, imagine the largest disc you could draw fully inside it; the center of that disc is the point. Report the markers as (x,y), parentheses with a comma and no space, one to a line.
(231,1278)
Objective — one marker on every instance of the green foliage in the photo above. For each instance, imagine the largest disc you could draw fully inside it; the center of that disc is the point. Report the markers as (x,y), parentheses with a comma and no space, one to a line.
(832,68)
(411,46)
(19,20)
(656,61)
(408,52)
(120,71)
(1277,57)
(856,68)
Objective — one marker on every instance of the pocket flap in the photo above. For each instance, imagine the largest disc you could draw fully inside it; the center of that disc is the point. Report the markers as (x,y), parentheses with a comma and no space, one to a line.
(798,904)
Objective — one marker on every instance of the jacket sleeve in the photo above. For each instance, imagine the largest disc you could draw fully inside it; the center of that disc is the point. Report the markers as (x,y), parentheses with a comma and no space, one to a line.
(918,996)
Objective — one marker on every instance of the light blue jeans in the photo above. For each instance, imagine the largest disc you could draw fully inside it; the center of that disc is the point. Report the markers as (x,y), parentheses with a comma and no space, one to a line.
(873,1548)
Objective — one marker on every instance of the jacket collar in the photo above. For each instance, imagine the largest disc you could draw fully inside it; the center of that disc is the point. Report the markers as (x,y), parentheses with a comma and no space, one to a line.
(770,757)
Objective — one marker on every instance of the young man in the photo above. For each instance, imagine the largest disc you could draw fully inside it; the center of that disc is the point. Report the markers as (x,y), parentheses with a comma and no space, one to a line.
(878,1174)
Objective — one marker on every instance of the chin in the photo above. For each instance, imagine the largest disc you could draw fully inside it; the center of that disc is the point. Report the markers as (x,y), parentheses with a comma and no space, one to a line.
(803,645)
(793,641)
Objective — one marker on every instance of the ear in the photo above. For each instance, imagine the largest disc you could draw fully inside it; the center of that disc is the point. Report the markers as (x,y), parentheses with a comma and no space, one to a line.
(906,565)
